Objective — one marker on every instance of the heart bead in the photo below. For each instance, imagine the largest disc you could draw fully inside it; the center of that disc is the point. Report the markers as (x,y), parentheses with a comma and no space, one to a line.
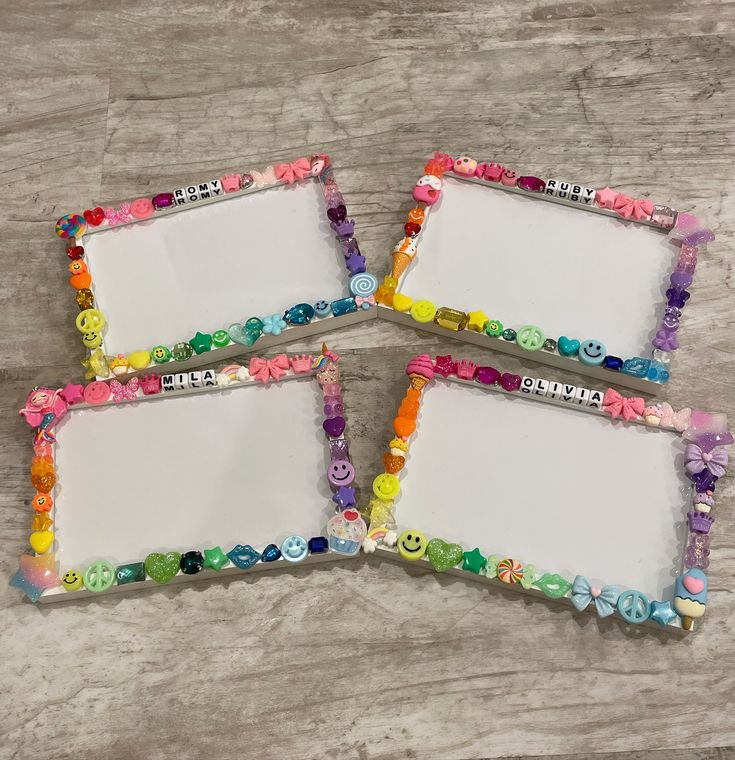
(162,567)
(271,553)
(334,426)
(693,585)
(510,382)
(94,216)
(41,541)
(568,346)
(444,556)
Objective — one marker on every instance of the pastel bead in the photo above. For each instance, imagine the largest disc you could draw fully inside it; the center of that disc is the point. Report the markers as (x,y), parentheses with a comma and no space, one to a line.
(592,352)
(386,486)
(142,208)
(509,178)
(411,545)
(340,472)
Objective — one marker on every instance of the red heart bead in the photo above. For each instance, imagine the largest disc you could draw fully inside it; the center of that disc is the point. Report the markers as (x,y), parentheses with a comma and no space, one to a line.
(412,228)
(95,217)
(77,252)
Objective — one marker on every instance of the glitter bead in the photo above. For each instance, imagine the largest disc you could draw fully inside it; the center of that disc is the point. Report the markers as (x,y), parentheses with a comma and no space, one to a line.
(182,351)
(343,306)
(697,552)
(301,314)
(85,298)
(508,334)
(549,345)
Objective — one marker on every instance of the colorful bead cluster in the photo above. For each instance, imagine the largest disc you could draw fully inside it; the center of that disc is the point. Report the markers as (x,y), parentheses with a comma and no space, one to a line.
(705,461)
(45,407)
(684,228)
(91,322)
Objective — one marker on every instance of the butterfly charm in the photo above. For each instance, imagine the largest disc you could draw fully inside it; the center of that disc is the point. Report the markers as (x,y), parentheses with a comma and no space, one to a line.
(679,421)
(126,392)
(266,177)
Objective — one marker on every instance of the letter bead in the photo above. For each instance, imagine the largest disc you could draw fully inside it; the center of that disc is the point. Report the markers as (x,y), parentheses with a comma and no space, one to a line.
(167,383)
(551,186)
(214,187)
(209,378)
(567,392)
(581,396)
(195,379)
(595,399)
(180,196)
(541,387)
(181,381)
(554,390)
(527,385)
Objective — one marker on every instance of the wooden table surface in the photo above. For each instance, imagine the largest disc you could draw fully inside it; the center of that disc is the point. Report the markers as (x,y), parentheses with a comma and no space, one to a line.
(104,101)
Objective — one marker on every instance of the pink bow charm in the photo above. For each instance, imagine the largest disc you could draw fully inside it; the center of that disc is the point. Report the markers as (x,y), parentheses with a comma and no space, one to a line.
(626,207)
(126,392)
(367,300)
(289,173)
(118,216)
(616,405)
(265,369)
(677,420)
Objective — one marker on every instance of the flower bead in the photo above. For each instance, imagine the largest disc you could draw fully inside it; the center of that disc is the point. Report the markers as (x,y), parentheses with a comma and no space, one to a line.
(273,324)
(494,328)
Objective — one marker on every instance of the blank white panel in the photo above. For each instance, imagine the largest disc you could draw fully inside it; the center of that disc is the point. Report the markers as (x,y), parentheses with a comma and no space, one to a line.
(245,465)
(527,261)
(565,491)
(161,280)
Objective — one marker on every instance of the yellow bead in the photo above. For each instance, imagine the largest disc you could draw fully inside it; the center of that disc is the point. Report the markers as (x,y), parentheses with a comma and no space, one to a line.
(98,363)
(85,298)
(477,321)
(71,580)
(139,359)
(386,486)
(423,311)
(451,319)
(42,522)
(41,541)
(411,545)
(401,302)
(380,514)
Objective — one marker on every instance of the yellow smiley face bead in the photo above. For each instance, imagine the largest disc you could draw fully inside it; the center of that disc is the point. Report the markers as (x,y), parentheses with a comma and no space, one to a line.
(386,486)
(423,311)
(71,580)
(411,545)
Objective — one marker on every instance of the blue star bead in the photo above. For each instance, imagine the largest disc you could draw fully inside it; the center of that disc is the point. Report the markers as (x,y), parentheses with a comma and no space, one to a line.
(662,613)
(344,497)
(355,263)
(29,589)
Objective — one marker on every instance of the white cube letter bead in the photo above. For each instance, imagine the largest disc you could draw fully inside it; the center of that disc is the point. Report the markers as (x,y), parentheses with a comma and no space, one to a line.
(575,193)
(192,193)
(181,381)
(562,190)
(541,387)
(203,190)
(554,391)
(527,384)
(551,185)
(595,399)
(180,196)
(581,395)
(567,392)
(195,379)
(215,187)
(167,383)
(209,377)
(587,196)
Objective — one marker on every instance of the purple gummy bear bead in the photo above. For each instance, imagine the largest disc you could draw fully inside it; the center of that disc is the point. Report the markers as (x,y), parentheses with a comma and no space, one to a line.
(677,297)
(680,280)
(487,375)
(666,339)
(697,553)
(339,449)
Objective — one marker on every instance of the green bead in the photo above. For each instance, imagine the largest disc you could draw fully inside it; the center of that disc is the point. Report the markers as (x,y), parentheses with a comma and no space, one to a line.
(494,328)
(474,561)
(201,342)
(549,345)
(220,338)
(182,351)
(99,576)
(442,555)
(132,573)
(162,567)
(507,334)
(215,558)
(160,354)
(553,585)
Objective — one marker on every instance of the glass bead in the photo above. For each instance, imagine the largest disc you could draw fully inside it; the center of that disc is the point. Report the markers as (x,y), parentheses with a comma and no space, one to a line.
(508,334)
(697,551)
(451,319)
(191,562)
(662,357)
(615,363)
(549,345)
(338,449)
(182,351)
(318,545)
(132,573)
(85,298)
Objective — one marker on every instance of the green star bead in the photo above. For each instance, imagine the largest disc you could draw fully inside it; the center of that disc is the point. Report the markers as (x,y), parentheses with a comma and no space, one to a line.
(215,558)
(201,342)
(220,338)
(474,561)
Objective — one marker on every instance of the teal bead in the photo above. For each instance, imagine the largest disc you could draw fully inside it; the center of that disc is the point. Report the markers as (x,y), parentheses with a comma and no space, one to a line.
(508,334)
(253,330)
(634,606)
(301,314)
(132,573)
(636,367)
(343,306)
(568,346)
(322,308)
(592,352)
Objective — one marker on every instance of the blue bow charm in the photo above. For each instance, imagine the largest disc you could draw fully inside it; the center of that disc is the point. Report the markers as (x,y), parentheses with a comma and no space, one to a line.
(605,598)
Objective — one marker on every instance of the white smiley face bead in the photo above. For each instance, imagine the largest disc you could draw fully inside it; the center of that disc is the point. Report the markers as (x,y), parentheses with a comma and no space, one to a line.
(294,549)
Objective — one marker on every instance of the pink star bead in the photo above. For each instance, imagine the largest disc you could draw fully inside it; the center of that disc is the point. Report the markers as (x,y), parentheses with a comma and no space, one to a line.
(605,198)
(72,394)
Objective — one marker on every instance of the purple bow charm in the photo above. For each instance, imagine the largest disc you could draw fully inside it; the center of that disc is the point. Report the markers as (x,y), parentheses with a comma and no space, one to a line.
(666,339)
(698,460)
(677,297)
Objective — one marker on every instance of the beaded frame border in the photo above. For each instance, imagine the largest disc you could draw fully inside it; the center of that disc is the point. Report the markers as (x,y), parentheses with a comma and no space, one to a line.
(37,575)
(639,372)
(297,321)
(705,434)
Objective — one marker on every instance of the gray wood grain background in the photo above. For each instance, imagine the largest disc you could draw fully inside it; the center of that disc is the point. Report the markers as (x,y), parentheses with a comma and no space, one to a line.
(103,101)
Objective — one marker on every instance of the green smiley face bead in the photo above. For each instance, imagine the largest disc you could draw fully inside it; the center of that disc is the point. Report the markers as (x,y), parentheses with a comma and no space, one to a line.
(508,334)
(494,328)
(160,354)
(182,351)
(220,338)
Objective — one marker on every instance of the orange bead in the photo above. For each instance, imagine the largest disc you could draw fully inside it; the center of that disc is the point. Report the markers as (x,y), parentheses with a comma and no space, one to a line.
(77,267)
(44,483)
(40,465)
(412,393)
(410,411)
(41,522)
(393,463)
(42,502)
(434,167)
(403,426)
(80,281)
(417,215)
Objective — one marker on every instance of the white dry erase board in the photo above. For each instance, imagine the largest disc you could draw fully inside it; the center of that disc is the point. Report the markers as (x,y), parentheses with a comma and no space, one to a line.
(233,461)
(259,257)
(552,489)
(576,277)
